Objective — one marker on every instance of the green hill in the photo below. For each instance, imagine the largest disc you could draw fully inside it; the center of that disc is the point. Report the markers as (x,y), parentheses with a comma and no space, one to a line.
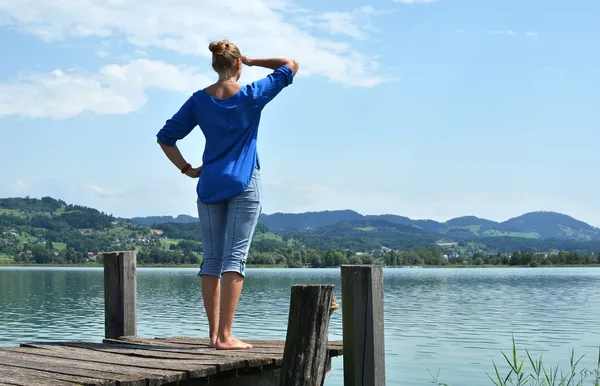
(47,230)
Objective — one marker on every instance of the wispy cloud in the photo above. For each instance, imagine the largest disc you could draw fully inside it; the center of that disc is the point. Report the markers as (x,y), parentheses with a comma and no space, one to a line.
(415,1)
(509,32)
(356,24)
(114,89)
(531,34)
(259,27)
(98,190)
(503,32)
(103,51)
(555,70)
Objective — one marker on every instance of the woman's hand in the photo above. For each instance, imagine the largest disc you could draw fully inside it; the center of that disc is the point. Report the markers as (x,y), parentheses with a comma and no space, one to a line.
(247,61)
(194,172)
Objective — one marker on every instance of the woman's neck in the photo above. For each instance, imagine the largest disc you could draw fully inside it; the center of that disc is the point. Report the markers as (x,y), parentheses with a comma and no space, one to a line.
(227,79)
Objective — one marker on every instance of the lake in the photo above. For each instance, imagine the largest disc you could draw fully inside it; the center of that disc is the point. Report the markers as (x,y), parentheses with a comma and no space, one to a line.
(455,321)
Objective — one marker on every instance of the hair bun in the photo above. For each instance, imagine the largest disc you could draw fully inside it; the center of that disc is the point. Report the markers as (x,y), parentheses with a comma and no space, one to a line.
(219,47)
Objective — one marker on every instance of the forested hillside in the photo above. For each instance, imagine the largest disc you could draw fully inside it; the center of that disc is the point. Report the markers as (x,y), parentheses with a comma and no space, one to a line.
(51,231)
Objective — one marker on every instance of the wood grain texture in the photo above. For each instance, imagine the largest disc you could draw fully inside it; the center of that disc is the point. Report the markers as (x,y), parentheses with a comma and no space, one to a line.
(26,377)
(120,294)
(363,331)
(306,354)
(66,368)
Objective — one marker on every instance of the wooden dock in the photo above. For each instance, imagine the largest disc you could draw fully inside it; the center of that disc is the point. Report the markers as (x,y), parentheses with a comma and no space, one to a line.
(132,361)
(303,359)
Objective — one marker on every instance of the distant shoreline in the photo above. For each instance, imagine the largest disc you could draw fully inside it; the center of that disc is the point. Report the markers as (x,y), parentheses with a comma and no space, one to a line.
(93,265)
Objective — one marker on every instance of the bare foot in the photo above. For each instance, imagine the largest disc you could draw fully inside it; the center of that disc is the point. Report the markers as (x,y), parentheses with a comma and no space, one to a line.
(231,343)
(213,341)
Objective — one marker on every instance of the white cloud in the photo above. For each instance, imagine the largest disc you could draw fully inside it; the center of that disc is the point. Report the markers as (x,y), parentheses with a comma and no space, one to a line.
(504,32)
(555,70)
(259,27)
(415,1)
(115,89)
(355,24)
(99,191)
(531,34)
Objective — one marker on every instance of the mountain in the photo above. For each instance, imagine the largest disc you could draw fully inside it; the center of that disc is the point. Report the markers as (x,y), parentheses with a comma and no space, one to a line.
(148,221)
(549,225)
(286,222)
(469,221)
(534,225)
(51,231)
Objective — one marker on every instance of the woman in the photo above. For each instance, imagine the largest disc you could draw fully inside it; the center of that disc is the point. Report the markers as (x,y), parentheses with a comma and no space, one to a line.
(229,186)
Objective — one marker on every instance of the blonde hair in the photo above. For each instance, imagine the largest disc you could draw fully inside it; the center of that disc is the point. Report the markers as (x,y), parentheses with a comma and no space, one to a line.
(225,55)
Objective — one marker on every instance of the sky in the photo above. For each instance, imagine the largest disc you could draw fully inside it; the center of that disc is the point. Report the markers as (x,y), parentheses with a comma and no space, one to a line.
(422,108)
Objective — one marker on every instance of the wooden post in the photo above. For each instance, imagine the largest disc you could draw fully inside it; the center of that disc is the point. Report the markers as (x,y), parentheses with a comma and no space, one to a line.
(305,355)
(362,318)
(119,294)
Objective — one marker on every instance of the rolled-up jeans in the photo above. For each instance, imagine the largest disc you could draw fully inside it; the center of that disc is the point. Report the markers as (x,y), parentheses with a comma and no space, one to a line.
(228,228)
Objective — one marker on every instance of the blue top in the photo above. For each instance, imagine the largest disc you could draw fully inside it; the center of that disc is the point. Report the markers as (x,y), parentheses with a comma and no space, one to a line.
(230,127)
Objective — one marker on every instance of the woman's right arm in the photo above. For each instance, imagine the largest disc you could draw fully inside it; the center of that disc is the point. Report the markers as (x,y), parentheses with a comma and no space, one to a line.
(272,63)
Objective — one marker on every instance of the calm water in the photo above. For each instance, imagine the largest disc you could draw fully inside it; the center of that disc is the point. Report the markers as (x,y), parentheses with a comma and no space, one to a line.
(455,321)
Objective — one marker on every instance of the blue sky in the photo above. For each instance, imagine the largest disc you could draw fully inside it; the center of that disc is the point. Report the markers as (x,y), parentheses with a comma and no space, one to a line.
(429,109)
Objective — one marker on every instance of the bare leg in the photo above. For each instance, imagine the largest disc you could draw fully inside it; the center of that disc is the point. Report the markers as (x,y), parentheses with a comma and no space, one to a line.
(230,295)
(211,293)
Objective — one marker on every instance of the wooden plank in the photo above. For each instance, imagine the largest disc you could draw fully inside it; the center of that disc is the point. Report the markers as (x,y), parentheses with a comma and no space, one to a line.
(152,376)
(268,377)
(335,347)
(235,360)
(306,355)
(362,318)
(18,360)
(119,294)
(26,377)
(262,354)
(186,347)
(194,369)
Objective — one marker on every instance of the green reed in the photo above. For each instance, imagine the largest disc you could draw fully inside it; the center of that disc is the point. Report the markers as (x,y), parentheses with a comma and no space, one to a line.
(527,370)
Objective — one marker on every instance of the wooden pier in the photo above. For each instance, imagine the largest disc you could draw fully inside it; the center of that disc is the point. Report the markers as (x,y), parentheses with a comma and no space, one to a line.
(304,358)
(141,362)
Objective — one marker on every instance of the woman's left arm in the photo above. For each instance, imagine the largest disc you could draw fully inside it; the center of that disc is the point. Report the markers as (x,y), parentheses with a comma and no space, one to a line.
(176,128)
(173,154)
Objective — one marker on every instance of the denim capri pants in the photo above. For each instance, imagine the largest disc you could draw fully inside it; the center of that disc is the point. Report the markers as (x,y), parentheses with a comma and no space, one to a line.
(227,230)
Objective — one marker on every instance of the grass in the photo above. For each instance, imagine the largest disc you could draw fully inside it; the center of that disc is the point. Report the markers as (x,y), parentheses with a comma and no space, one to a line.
(60,210)
(5,259)
(495,233)
(366,229)
(10,212)
(527,370)
(24,238)
(60,246)
(168,242)
(267,236)
(474,228)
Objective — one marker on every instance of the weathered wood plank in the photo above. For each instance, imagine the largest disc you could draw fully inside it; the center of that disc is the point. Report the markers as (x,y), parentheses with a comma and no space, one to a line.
(335,347)
(235,360)
(18,360)
(194,369)
(27,377)
(268,377)
(306,354)
(362,318)
(262,354)
(199,349)
(119,294)
(152,376)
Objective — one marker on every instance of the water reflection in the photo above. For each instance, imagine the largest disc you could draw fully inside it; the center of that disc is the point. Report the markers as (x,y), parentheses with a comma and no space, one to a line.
(455,321)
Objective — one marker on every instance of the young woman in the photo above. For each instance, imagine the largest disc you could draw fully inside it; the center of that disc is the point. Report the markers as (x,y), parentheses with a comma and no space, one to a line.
(229,186)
